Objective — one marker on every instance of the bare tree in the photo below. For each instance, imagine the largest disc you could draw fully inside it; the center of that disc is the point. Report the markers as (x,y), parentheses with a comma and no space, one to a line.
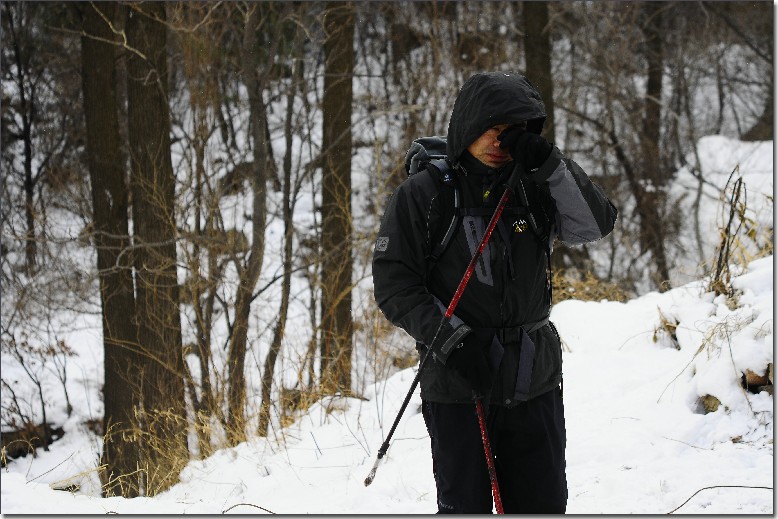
(754,28)
(337,327)
(164,450)
(22,57)
(39,136)
(194,28)
(625,112)
(256,64)
(651,192)
(290,193)
(110,199)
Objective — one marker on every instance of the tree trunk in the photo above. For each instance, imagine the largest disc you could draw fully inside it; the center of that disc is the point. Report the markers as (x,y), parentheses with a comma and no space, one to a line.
(111,235)
(164,444)
(251,64)
(337,326)
(27,109)
(199,65)
(763,129)
(652,194)
(537,53)
(288,212)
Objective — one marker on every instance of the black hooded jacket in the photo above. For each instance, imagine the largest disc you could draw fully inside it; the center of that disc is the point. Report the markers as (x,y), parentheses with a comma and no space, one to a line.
(508,295)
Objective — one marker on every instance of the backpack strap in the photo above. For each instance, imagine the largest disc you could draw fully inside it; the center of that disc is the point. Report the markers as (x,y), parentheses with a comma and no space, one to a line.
(541,226)
(444,175)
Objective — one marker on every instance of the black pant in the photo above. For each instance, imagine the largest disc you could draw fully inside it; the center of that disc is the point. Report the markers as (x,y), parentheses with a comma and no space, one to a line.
(528,442)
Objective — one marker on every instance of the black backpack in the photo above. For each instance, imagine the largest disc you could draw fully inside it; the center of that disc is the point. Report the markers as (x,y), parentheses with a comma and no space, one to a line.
(428,155)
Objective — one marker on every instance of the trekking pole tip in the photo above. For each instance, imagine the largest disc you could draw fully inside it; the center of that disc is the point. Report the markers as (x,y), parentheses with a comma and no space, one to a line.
(371,476)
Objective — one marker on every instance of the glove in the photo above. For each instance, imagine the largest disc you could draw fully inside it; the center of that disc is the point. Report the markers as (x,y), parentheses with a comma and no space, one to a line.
(447,339)
(525,147)
(471,361)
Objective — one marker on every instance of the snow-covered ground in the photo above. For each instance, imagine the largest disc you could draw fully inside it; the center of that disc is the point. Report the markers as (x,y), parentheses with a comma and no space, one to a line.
(639,440)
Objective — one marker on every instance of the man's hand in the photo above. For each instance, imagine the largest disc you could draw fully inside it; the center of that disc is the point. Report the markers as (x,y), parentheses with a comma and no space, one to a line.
(471,361)
(525,147)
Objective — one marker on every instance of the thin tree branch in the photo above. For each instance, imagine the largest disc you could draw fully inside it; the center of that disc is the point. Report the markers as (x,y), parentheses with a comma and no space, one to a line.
(247,504)
(715,486)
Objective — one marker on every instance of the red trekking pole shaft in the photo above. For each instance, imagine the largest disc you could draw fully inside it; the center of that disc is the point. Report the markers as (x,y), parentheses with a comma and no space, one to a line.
(479,408)
(449,312)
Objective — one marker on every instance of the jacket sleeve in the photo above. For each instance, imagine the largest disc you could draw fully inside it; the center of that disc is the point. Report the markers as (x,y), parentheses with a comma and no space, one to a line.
(400,266)
(583,212)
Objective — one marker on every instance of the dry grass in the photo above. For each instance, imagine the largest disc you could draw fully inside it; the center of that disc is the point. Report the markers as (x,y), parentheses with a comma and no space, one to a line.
(741,240)
(585,287)
(158,460)
(666,328)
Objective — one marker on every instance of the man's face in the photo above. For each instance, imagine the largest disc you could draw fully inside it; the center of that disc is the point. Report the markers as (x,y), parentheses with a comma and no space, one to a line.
(486,148)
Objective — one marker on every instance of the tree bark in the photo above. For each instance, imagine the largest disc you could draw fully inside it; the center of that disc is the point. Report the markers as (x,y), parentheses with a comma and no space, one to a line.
(164,444)
(651,194)
(337,326)
(537,53)
(111,235)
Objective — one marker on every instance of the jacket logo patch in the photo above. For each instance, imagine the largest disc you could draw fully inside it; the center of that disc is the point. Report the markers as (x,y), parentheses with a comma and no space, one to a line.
(520,225)
(382,243)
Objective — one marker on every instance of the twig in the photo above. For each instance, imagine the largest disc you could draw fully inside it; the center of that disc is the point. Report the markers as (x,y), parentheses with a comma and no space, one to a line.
(52,468)
(316,443)
(699,350)
(247,504)
(715,486)
(689,445)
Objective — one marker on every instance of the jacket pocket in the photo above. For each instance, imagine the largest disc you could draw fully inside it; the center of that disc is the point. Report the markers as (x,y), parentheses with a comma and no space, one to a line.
(442,384)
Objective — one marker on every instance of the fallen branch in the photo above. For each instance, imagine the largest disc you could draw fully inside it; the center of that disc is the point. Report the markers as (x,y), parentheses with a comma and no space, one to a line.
(255,506)
(715,486)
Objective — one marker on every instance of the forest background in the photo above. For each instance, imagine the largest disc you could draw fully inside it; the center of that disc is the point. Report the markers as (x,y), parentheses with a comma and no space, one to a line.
(199,185)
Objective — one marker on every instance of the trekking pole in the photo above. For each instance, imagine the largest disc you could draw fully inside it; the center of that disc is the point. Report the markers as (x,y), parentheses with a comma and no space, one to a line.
(479,409)
(449,312)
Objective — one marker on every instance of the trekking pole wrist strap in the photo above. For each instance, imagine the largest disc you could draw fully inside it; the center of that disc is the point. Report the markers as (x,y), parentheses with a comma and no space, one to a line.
(443,351)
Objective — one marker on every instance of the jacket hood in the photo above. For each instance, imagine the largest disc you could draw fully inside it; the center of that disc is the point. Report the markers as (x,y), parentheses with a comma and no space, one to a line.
(490,98)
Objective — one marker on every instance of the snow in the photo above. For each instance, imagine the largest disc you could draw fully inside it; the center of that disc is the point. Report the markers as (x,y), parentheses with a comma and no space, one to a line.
(639,441)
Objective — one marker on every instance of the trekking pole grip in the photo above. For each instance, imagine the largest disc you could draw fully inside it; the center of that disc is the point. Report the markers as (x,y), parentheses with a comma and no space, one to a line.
(515,176)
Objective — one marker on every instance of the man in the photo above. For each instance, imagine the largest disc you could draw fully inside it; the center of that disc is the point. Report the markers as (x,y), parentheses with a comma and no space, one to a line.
(499,344)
